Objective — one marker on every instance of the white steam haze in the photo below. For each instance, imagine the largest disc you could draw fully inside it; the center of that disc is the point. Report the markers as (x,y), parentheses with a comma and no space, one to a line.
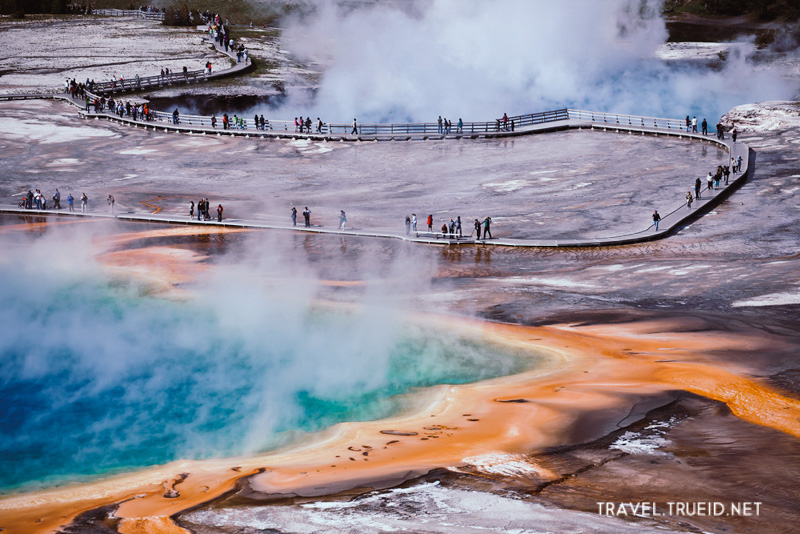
(98,374)
(476,59)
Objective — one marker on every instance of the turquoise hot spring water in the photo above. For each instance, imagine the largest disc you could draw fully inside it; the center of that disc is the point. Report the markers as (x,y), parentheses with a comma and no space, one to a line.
(98,378)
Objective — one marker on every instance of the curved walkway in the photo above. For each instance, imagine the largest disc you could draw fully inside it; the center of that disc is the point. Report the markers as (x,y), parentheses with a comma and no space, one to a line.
(133,85)
(671,222)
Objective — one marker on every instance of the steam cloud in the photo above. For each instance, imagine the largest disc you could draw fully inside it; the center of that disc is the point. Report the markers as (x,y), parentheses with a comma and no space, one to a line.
(95,375)
(476,59)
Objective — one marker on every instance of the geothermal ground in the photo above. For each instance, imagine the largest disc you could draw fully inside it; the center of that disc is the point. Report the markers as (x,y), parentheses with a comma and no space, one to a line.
(673,372)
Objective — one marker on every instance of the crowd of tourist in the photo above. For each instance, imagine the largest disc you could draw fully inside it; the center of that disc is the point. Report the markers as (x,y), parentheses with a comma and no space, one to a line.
(451,230)
(691,126)
(204,210)
(140,111)
(220,34)
(713,181)
(35,200)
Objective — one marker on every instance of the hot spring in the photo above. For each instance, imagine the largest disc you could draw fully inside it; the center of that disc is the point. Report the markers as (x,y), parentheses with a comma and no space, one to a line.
(98,375)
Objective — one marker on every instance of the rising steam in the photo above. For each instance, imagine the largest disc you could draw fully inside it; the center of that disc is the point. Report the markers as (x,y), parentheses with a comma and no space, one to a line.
(413,61)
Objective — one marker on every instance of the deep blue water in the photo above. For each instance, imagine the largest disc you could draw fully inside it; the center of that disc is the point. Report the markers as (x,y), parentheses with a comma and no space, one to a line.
(95,378)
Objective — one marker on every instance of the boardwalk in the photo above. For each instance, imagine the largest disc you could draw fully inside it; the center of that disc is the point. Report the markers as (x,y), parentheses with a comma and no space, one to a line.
(534,123)
(672,220)
(133,85)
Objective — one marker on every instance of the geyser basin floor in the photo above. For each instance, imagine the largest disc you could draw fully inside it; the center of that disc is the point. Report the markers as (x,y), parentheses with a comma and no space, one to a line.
(577,184)
(623,362)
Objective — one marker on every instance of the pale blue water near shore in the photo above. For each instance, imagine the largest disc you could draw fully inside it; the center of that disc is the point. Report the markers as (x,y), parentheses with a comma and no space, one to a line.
(96,378)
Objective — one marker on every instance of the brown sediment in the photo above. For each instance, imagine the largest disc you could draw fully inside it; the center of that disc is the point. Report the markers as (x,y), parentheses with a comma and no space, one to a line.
(174,231)
(153,207)
(160,268)
(45,223)
(343,283)
(470,421)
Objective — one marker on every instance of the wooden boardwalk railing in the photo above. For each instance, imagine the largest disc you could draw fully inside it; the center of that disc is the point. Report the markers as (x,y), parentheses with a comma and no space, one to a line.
(141,83)
(129,13)
(367,129)
(630,120)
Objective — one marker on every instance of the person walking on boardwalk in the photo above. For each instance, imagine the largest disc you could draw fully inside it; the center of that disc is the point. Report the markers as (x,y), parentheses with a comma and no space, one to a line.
(705,127)
(694,124)
(688,123)
(84,202)
(738,163)
(57,200)
(342,219)
(71,203)
(697,185)
(460,127)
(294,216)
(408,225)
(307,217)
(430,222)
(689,199)
(458,226)
(726,172)
(477,229)
(111,203)
(191,210)
(733,134)
(487,228)
(219,212)
(439,124)
(709,181)
(656,218)
(414,222)
(355,128)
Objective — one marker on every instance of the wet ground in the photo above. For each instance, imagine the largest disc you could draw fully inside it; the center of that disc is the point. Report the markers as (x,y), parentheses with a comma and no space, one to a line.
(561,185)
(733,271)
